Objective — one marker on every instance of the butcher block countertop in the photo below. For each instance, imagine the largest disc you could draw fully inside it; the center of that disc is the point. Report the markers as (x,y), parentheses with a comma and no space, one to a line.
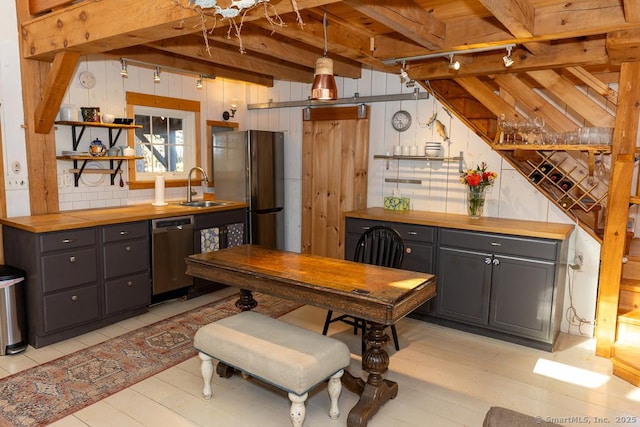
(92,217)
(545,230)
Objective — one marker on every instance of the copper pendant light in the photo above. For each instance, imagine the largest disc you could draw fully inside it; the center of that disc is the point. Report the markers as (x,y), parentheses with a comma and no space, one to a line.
(324,83)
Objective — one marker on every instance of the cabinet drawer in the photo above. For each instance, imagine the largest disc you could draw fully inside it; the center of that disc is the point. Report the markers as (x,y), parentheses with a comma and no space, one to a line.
(413,232)
(71,308)
(69,269)
(215,219)
(125,231)
(127,293)
(359,226)
(126,258)
(497,243)
(67,239)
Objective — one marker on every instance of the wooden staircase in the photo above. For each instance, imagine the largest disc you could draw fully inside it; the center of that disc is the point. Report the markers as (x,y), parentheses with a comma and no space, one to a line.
(617,334)
(626,353)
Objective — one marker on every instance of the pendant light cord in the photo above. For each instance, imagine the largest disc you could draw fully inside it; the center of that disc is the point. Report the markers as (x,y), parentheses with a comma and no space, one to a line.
(324,30)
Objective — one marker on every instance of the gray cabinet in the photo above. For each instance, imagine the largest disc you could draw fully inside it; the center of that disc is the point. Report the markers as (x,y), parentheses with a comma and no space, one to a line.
(504,286)
(62,283)
(81,279)
(126,266)
(419,242)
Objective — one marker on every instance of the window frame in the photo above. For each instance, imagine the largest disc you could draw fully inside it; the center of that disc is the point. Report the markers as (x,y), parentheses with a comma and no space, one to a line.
(133,100)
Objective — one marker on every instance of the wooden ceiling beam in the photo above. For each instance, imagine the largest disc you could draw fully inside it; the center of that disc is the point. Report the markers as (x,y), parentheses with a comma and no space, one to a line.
(564,90)
(342,39)
(589,52)
(631,10)
(487,97)
(161,58)
(260,41)
(404,17)
(100,26)
(594,83)
(194,47)
(623,46)
(518,17)
(58,79)
(533,102)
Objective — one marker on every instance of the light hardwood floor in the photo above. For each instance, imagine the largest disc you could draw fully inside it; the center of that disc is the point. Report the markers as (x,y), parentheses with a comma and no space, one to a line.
(446,378)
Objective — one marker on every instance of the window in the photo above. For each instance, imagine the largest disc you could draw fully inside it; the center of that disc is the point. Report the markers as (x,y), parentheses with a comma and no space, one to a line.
(167,139)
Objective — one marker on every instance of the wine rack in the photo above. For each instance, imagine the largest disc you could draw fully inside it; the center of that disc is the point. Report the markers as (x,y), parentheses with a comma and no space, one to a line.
(565,182)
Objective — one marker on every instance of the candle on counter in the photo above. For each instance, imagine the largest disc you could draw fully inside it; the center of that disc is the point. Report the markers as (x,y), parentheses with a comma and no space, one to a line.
(159,194)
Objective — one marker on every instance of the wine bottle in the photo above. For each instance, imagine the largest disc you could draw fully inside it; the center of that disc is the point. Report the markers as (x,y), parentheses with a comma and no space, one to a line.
(545,168)
(565,185)
(535,177)
(555,176)
(566,202)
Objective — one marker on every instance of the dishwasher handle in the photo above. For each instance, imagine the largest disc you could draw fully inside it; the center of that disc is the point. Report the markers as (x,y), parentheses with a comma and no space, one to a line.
(172,224)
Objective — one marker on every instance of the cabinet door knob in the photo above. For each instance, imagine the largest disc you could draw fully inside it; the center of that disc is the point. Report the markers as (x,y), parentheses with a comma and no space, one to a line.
(124,233)
(74,298)
(127,248)
(496,261)
(129,284)
(72,258)
(407,250)
(487,260)
(412,233)
(496,244)
(68,240)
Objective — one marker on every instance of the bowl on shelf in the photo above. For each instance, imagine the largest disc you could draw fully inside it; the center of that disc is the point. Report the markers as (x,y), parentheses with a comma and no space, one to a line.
(122,121)
(432,149)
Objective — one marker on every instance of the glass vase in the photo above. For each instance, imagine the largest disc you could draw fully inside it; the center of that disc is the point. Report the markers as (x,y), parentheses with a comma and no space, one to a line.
(475,201)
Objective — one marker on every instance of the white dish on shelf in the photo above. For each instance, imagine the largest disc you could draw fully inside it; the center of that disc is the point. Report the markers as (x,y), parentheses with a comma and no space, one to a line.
(74,153)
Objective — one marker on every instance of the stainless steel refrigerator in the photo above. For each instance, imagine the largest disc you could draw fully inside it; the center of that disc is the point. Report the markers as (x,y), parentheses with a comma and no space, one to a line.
(248,166)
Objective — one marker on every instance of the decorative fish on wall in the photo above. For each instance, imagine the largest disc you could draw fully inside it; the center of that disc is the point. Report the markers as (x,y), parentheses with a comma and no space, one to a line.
(442,131)
(432,119)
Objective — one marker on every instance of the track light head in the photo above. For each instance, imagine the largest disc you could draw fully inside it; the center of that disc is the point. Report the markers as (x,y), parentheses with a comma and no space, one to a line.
(156,75)
(199,82)
(123,69)
(453,65)
(508,62)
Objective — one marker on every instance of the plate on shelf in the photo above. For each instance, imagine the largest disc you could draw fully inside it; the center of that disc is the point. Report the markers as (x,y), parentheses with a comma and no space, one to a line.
(74,153)
(92,179)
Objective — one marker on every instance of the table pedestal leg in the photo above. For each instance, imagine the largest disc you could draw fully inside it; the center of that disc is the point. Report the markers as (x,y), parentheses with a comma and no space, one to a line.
(246,301)
(376,391)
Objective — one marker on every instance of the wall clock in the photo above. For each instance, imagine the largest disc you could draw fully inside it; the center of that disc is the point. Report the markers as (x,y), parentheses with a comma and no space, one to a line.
(401,120)
(87,79)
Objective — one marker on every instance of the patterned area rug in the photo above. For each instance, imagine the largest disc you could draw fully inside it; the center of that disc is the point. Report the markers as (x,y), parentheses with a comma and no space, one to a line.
(48,392)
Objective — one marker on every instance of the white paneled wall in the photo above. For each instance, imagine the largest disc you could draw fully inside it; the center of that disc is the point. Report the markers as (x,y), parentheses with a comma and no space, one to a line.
(440,189)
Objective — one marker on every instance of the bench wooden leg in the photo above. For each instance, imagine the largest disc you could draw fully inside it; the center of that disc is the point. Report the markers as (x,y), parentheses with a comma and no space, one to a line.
(335,388)
(298,411)
(206,368)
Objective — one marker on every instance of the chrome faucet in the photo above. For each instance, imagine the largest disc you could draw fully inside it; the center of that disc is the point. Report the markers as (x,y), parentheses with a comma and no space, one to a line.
(204,179)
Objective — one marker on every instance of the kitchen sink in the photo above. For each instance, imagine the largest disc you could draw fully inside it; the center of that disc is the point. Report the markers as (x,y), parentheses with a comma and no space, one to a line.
(203,204)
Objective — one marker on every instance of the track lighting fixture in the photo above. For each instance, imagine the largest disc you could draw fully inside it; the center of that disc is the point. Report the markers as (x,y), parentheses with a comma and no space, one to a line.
(508,62)
(324,83)
(123,69)
(199,82)
(156,75)
(403,74)
(453,65)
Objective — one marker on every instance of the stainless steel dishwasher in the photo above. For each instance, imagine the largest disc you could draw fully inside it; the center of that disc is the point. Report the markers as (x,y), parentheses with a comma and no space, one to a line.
(172,241)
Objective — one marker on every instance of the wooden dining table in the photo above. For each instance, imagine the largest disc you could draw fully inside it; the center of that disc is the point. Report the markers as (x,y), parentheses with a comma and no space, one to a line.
(380,295)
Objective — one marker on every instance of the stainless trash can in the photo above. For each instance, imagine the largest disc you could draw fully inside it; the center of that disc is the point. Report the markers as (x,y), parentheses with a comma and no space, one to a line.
(13,332)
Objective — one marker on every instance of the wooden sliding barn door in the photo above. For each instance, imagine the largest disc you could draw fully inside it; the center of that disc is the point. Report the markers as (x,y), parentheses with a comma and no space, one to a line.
(335,152)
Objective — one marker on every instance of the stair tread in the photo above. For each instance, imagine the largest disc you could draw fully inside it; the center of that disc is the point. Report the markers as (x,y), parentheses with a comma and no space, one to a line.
(629,284)
(631,317)
(628,353)
(634,249)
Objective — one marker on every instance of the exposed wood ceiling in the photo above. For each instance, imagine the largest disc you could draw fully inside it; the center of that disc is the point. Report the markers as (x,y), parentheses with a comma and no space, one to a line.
(549,34)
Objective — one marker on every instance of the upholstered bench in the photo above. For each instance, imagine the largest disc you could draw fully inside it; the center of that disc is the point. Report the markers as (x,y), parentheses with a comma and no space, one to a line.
(284,355)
